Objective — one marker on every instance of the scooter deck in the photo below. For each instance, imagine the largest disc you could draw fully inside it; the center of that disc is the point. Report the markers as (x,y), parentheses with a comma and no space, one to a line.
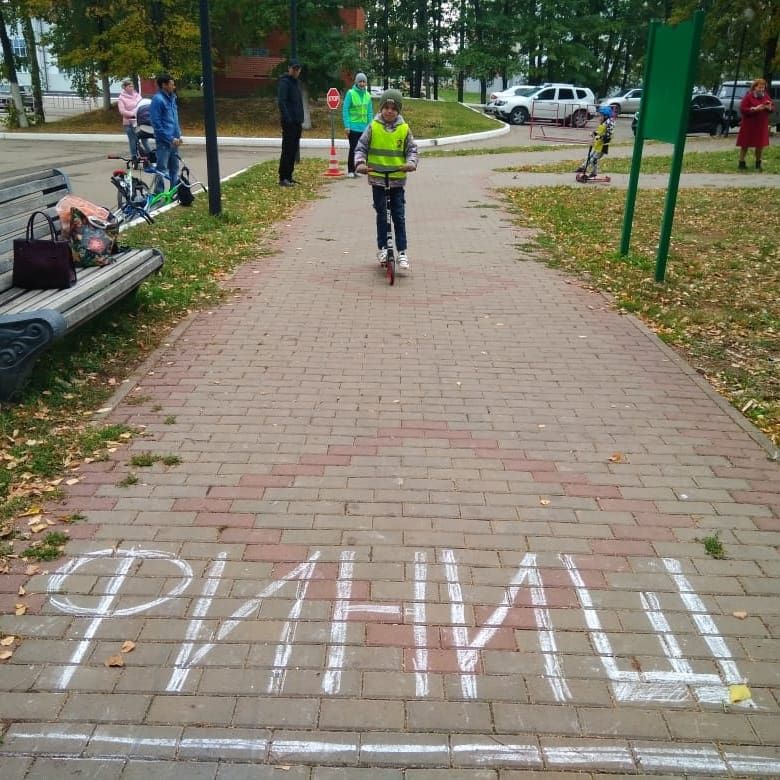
(583,179)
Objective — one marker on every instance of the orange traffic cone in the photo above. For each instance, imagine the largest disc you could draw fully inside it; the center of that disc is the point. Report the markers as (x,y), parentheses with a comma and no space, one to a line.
(333,167)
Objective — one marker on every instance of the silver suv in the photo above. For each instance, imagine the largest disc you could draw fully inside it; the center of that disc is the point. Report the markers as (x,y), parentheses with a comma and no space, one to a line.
(563,103)
(626,102)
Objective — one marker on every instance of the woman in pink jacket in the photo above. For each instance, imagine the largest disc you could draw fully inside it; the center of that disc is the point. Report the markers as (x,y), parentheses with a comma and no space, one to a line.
(127,105)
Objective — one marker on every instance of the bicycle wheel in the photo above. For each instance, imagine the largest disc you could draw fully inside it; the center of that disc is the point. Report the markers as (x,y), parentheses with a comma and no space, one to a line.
(122,194)
(140,199)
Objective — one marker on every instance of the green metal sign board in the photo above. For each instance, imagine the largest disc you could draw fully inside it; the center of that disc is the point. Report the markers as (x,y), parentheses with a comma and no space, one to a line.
(663,114)
(669,98)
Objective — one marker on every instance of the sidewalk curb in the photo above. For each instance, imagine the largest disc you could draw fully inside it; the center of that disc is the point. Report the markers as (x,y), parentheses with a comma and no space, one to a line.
(273,143)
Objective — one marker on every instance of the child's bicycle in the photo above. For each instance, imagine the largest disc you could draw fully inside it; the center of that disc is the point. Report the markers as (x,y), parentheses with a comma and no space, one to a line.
(132,192)
(390,257)
(135,199)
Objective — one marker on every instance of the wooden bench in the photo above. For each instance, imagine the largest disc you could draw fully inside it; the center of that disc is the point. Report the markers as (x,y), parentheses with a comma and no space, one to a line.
(30,320)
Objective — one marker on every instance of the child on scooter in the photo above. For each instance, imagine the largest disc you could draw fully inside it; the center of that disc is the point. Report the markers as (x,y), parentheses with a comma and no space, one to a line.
(386,143)
(602,135)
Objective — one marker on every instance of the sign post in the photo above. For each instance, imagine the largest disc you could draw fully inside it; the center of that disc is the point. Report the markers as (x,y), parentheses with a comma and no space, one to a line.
(333,99)
(670,67)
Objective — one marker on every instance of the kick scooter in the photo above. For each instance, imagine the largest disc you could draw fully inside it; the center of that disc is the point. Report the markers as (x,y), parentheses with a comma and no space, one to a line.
(390,259)
(389,262)
(582,175)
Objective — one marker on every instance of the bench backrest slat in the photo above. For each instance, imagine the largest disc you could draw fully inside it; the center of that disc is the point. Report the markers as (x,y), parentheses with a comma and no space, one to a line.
(20,197)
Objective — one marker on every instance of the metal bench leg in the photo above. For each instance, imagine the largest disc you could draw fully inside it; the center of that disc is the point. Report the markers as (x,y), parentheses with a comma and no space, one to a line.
(23,337)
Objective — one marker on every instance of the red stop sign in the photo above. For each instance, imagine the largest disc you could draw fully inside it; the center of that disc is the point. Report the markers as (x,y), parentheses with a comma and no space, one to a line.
(333,98)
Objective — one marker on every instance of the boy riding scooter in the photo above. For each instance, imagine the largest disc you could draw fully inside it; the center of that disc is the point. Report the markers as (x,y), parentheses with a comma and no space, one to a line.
(602,135)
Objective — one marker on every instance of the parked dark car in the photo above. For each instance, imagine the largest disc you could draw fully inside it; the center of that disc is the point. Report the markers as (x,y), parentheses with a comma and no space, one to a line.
(5,97)
(705,115)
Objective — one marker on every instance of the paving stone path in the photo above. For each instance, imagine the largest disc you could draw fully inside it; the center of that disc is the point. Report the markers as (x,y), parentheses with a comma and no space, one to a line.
(447,529)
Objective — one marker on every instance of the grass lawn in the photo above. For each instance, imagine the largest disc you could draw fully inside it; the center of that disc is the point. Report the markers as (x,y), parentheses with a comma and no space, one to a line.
(258,117)
(719,161)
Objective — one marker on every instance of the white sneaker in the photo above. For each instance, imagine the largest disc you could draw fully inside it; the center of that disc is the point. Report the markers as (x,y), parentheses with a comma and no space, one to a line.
(351,175)
(381,256)
(403,261)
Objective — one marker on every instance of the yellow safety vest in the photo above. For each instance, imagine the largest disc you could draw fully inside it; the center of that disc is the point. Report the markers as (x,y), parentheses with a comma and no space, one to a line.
(360,106)
(388,148)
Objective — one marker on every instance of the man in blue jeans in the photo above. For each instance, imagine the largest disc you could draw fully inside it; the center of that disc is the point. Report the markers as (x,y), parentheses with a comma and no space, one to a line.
(164,116)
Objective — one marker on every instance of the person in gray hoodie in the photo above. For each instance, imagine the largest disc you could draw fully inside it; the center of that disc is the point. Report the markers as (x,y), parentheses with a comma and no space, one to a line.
(387,144)
(356,113)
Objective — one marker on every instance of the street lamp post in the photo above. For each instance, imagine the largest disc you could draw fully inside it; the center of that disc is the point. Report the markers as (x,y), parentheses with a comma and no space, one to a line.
(748,17)
(293,30)
(209,112)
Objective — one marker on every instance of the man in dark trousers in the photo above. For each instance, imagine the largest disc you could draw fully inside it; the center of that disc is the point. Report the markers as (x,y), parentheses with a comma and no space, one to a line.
(291,110)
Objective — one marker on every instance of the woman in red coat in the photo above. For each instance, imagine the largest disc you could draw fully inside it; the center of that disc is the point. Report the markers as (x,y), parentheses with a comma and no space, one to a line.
(754,128)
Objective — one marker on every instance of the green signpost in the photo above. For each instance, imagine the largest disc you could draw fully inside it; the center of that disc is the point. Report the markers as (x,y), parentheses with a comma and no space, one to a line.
(670,67)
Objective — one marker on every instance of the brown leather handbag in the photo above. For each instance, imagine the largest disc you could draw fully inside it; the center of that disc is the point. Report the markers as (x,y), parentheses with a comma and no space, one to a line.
(42,263)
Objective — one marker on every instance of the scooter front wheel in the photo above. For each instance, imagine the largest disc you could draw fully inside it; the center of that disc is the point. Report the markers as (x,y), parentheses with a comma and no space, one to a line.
(391,271)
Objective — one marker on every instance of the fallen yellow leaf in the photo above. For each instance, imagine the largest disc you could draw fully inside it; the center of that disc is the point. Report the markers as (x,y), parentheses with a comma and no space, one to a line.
(34,519)
(741,615)
(544,501)
(33,510)
(738,693)
(128,646)
(20,609)
(114,660)
(7,640)
(21,591)
(616,457)
(33,568)
(38,527)
(5,655)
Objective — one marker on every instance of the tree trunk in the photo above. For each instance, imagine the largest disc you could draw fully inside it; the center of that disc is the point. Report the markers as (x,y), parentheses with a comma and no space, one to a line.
(105,86)
(9,66)
(35,71)
(769,57)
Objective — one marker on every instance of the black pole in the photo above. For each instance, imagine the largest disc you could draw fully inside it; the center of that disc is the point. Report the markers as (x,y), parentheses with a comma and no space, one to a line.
(293,30)
(386,47)
(209,113)
(727,123)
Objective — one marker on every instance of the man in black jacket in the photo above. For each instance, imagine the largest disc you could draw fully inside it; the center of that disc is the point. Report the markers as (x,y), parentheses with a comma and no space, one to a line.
(291,110)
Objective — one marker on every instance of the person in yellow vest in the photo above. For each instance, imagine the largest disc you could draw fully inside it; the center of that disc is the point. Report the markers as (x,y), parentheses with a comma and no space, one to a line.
(388,144)
(356,113)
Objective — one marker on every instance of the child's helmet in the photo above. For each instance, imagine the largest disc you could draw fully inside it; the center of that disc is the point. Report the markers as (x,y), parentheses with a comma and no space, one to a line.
(605,110)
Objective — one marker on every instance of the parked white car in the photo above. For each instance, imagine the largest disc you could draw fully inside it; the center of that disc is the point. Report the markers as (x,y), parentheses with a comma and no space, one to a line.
(522,90)
(550,102)
(626,102)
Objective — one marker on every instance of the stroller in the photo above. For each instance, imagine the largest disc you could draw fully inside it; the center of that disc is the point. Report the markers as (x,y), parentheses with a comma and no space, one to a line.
(144,132)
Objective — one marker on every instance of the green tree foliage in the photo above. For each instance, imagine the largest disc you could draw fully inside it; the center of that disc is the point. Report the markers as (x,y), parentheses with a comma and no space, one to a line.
(97,41)
(598,43)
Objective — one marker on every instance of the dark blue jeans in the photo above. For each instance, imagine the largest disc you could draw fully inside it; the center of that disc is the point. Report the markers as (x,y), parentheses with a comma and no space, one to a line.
(397,212)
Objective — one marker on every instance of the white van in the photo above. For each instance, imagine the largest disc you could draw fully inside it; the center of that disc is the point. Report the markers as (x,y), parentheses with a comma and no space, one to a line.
(739,89)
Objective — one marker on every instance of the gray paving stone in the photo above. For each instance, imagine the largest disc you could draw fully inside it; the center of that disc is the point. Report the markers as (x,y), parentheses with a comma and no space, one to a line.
(139,770)
(81,768)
